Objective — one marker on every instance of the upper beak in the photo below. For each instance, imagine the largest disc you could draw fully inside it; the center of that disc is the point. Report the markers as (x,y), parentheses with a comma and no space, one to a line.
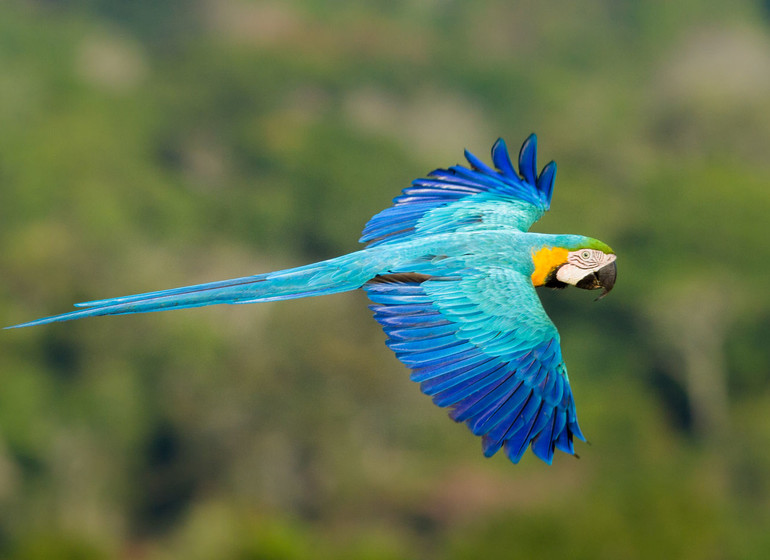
(606,276)
(603,278)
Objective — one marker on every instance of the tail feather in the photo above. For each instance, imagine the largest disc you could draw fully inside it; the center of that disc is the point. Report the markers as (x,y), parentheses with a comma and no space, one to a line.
(246,280)
(333,276)
(233,284)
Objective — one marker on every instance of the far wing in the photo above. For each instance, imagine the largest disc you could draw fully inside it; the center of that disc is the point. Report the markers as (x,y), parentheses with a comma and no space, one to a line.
(483,345)
(461,198)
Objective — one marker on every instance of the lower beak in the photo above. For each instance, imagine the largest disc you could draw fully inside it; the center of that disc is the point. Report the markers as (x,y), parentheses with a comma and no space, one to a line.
(603,278)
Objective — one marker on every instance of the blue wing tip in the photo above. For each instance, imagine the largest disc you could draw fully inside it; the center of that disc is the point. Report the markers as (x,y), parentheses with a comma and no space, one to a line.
(500,145)
(543,183)
(545,456)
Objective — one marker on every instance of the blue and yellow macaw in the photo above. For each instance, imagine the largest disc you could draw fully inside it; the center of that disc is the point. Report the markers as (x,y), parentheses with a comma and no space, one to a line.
(452,271)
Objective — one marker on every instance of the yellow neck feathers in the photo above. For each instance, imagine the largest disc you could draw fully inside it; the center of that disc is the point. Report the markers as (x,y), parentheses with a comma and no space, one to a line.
(545,260)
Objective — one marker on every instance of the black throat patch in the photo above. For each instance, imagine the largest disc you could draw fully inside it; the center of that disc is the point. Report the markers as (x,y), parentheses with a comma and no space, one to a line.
(552,282)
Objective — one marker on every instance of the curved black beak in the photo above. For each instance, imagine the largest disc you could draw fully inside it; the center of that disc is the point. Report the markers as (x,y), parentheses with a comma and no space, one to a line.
(603,278)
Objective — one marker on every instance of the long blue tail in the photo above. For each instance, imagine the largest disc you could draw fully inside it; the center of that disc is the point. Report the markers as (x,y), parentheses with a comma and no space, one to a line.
(342,274)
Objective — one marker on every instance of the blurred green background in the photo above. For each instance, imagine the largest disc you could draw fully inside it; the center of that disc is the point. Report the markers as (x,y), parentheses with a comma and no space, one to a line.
(146,145)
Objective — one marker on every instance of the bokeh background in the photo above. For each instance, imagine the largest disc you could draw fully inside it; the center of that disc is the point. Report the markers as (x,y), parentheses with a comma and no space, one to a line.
(146,145)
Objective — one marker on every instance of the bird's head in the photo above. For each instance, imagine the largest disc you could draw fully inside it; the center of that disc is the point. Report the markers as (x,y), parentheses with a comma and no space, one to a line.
(588,264)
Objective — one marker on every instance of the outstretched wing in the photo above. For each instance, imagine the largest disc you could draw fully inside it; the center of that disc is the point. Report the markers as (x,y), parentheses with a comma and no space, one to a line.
(483,345)
(461,198)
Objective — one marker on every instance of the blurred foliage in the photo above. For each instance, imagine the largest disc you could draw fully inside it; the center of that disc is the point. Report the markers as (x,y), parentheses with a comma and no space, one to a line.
(151,144)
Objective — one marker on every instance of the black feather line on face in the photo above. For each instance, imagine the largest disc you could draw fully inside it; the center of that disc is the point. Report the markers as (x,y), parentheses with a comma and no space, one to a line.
(552,282)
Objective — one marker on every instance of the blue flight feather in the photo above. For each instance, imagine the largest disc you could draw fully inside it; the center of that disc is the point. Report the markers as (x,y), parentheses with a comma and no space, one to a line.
(471,391)
(546,179)
(502,160)
(527,160)
(543,445)
(450,366)
(438,383)
(513,398)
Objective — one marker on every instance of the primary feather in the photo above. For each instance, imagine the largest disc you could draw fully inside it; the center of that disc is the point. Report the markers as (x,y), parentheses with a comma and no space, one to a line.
(448,268)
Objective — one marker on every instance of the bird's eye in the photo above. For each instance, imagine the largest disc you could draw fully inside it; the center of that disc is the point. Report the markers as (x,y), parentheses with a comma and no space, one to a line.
(585,254)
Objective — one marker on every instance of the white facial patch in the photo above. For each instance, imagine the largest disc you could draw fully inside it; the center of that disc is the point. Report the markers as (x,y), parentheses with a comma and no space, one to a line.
(581,263)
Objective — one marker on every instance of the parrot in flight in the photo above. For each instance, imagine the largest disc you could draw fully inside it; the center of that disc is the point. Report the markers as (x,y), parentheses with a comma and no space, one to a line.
(451,269)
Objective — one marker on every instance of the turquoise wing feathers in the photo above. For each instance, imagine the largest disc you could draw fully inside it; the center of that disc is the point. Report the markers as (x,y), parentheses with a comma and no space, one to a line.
(483,345)
(464,199)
